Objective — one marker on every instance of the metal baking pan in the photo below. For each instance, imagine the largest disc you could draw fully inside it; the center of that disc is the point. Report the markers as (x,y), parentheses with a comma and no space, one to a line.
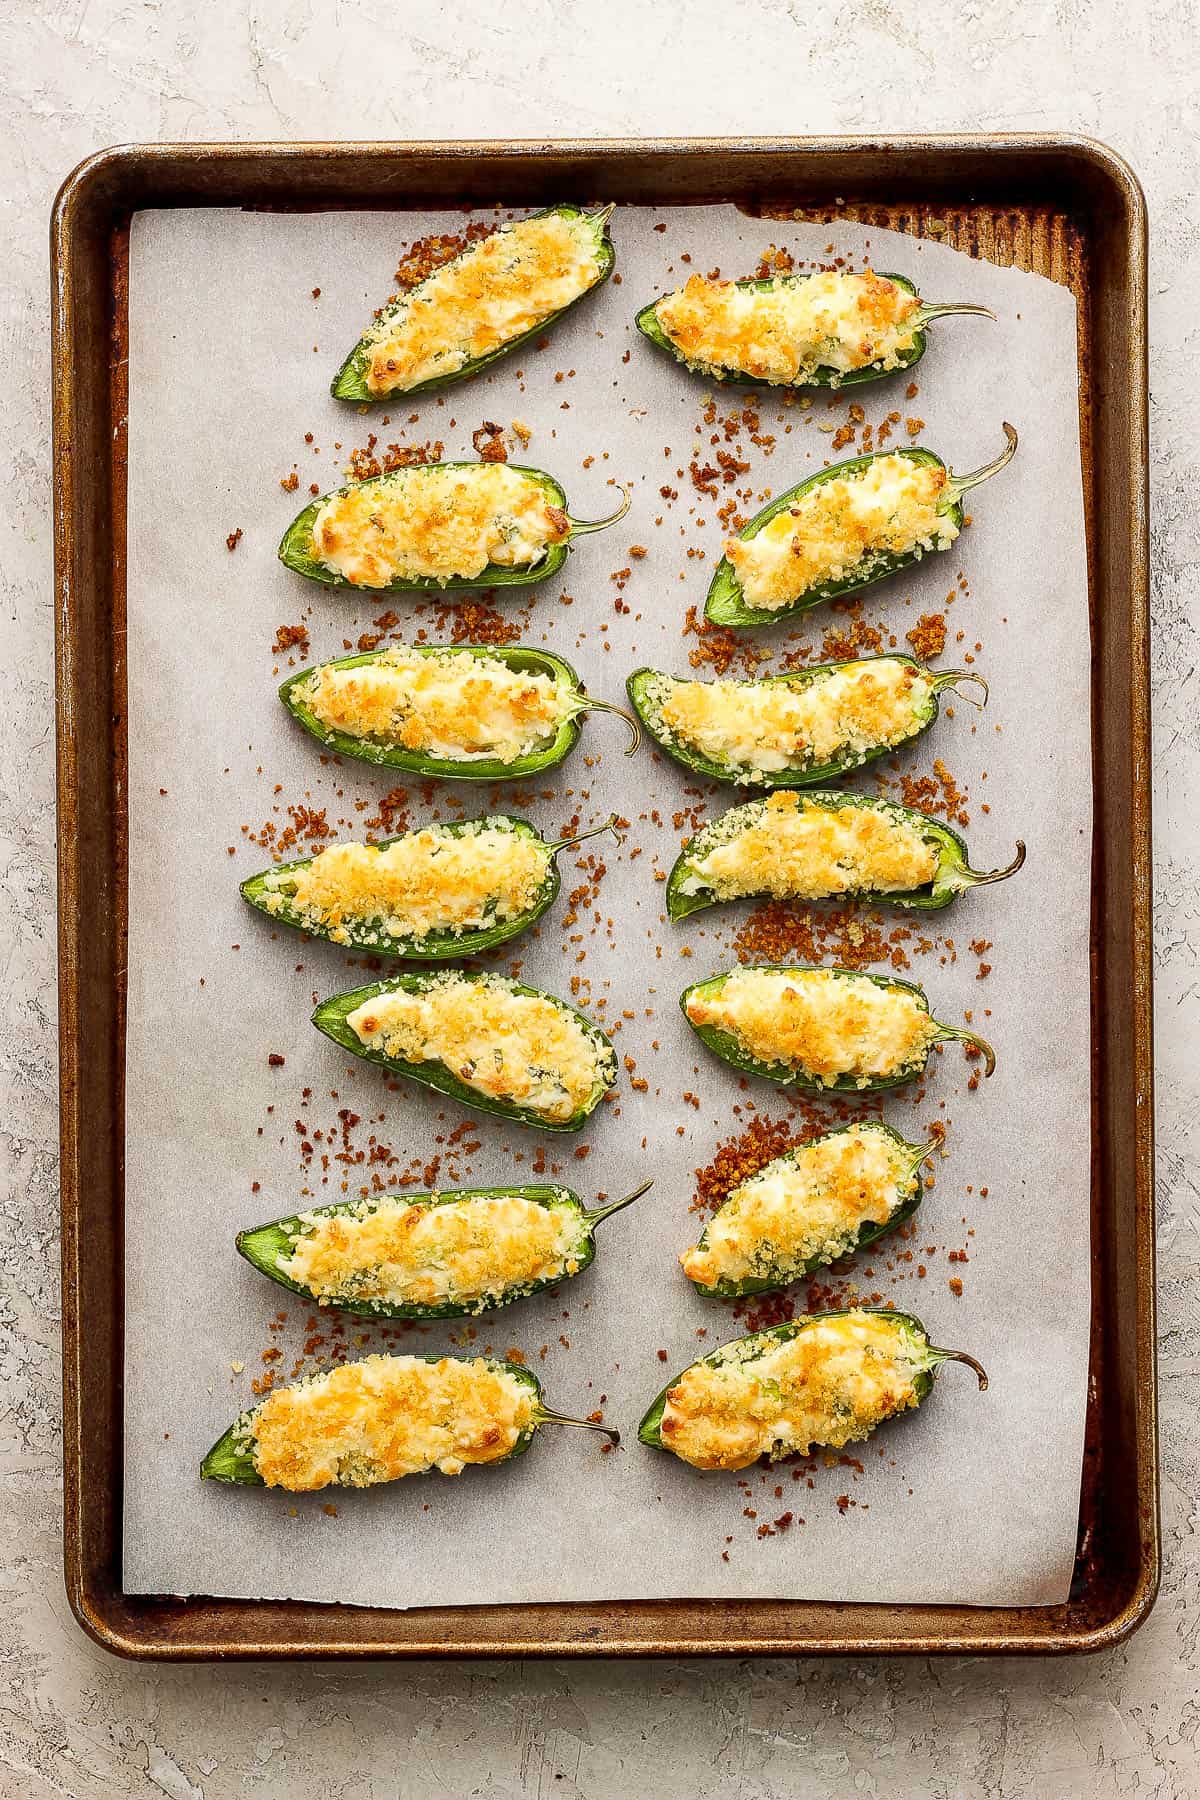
(1065,207)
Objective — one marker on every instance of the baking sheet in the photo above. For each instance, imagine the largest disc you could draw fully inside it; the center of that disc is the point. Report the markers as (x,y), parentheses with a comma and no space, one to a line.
(973,1500)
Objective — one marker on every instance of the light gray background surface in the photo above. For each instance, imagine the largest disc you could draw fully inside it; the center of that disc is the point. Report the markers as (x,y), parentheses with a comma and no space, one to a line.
(83,73)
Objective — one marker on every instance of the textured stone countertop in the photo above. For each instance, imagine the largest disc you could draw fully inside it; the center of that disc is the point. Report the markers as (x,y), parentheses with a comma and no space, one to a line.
(80,74)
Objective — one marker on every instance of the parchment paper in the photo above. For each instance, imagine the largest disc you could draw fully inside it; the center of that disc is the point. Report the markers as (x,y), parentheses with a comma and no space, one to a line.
(974,1499)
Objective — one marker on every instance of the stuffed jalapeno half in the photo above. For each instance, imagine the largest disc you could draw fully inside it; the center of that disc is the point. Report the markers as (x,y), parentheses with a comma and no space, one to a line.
(431,1256)
(384,1417)
(820,1201)
(494,295)
(791,730)
(828,329)
(438,526)
(443,891)
(484,1040)
(821,1381)
(825,846)
(456,712)
(840,530)
(820,1028)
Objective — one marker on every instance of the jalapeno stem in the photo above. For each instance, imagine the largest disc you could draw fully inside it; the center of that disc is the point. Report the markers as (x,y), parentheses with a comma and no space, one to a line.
(970,1037)
(581,837)
(581,527)
(959,484)
(946,678)
(981,877)
(602,217)
(962,1357)
(603,1212)
(542,1417)
(941,309)
(587,704)
(921,1151)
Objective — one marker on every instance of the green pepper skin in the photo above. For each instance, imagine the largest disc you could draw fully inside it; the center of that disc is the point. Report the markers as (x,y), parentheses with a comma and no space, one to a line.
(952,877)
(232,1460)
(725,604)
(331,1015)
(514,656)
(435,946)
(647,323)
(725,1045)
(650,1429)
(266,1246)
(350,381)
(297,551)
(639,687)
(867,1233)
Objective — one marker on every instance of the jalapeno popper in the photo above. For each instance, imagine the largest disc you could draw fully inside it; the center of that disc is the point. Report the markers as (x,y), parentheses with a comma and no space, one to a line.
(820,1028)
(480,305)
(829,329)
(383,1418)
(824,1380)
(840,530)
(815,1203)
(446,890)
(460,712)
(824,846)
(481,1038)
(431,1256)
(794,729)
(436,526)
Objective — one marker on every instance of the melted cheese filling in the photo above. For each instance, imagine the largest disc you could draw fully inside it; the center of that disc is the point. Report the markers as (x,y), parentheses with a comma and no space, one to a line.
(844,527)
(430,880)
(788,331)
(501,288)
(523,1049)
(453,708)
(385,1417)
(466,1252)
(824,1025)
(810,1204)
(765,727)
(831,1384)
(437,522)
(799,848)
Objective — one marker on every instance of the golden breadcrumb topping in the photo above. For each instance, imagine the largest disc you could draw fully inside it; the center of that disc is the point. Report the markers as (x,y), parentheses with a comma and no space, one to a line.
(831,1384)
(822,1024)
(385,1417)
(498,290)
(465,1252)
(798,847)
(437,522)
(811,1203)
(527,1050)
(843,527)
(768,726)
(436,879)
(787,331)
(448,706)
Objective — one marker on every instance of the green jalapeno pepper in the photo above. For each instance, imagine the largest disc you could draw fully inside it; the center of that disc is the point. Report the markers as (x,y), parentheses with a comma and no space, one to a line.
(270,1248)
(296,693)
(350,382)
(650,689)
(823,375)
(726,604)
(232,1458)
(849,1417)
(273,892)
(298,551)
(774,1264)
(689,890)
(333,1017)
(704,997)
